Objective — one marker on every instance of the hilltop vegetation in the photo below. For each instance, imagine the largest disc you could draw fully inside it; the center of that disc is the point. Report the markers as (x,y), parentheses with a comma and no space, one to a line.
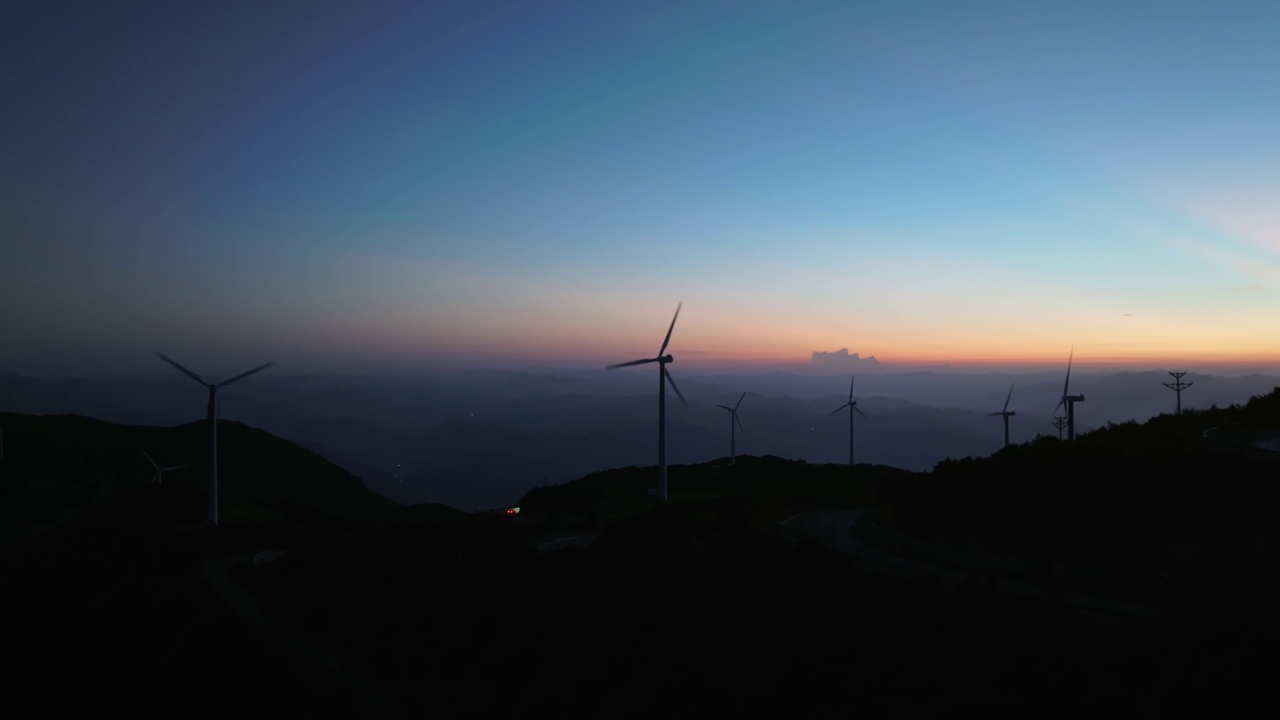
(766,487)
(1155,511)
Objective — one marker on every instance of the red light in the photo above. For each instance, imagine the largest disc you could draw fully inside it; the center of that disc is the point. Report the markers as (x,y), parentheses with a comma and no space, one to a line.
(510,511)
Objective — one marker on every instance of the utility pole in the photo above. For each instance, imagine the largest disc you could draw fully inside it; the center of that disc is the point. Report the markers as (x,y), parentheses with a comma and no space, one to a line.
(1178,386)
(1059,421)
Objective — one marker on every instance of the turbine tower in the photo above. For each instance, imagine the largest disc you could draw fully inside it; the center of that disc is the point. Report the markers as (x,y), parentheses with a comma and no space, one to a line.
(1178,386)
(212,410)
(853,407)
(158,478)
(733,417)
(664,377)
(1006,413)
(1069,400)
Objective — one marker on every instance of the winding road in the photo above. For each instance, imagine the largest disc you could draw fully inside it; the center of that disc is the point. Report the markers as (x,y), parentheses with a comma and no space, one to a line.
(833,527)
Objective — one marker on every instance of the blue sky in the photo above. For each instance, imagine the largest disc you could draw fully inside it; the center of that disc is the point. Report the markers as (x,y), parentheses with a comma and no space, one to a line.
(391,184)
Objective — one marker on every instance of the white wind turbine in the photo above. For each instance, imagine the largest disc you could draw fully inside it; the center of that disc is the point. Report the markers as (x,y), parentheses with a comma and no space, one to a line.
(1069,400)
(212,414)
(1006,413)
(664,377)
(158,478)
(853,407)
(733,418)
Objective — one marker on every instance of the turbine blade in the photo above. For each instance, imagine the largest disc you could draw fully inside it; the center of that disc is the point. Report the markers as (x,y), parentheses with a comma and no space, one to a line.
(153,462)
(851,379)
(671,380)
(175,467)
(744,397)
(739,421)
(833,412)
(726,407)
(246,374)
(994,414)
(1060,404)
(629,364)
(1066,384)
(667,339)
(1007,398)
(183,370)
(855,409)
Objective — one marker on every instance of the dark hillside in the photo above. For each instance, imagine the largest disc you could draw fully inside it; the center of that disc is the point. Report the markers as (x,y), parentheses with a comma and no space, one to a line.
(1178,509)
(58,468)
(696,609)
(707,605)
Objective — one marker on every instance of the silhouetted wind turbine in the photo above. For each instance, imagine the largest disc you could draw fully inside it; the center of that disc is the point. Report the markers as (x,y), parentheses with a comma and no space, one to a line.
(853,407)
(1006,413)
(212,410)
(158,478)
(1069,400)
(664,377)
(733,417)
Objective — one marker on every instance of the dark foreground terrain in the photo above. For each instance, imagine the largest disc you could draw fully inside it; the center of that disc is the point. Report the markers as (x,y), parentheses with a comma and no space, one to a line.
(704,606)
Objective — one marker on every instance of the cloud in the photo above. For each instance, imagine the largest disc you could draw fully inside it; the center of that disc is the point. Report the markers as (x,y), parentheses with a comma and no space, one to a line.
(842,357)
(1248,264)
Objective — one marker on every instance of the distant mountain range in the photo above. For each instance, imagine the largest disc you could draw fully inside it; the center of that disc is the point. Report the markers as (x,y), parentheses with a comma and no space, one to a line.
(480,439)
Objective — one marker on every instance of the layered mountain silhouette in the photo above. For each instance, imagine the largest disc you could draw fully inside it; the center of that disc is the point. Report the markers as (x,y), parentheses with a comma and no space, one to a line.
(481,438)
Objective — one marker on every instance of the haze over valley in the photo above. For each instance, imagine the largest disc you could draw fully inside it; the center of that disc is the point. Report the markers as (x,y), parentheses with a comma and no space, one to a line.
(480,439)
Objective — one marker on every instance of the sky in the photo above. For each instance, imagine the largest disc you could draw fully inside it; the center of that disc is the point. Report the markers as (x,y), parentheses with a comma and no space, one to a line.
(376,185)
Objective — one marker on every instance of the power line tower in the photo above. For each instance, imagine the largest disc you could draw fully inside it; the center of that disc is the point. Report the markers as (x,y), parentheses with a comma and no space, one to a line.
(1178,386)
(1060,422)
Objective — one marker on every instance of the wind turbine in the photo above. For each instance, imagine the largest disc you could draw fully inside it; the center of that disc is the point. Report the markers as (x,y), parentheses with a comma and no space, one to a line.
(158,478)
(1069,400)
(733,417)
(853,407)
(212,414)
(664,377)
(1006,413)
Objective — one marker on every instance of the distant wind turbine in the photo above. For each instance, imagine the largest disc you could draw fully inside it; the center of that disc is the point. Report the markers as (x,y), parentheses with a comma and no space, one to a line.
(664,377)
(212,414)
(1069,400)
(1006,413)
(158,478)
(853,407)
(733,418)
